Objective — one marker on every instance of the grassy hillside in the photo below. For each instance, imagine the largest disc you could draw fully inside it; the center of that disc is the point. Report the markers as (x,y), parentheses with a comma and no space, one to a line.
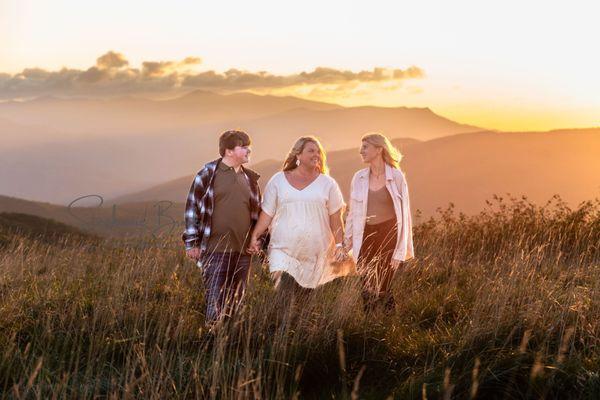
(137,220)
(35,228)
(504,304)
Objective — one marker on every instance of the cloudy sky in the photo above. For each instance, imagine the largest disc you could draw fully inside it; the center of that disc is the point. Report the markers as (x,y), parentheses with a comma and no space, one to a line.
(511,65)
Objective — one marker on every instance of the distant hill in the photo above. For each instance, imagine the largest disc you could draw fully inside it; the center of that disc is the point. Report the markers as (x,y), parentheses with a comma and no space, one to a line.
(41,209)
(133,220)
(38,228)
(177,189)
(63,149)
(130,115)
(465,169)
(342,128)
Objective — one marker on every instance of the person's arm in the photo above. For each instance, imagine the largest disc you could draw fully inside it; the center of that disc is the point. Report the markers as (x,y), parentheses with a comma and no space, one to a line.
(349,221)
(404,248)
(335,206)
(192,235)
(268,209)
(337,228)
(410,252)
(264,220)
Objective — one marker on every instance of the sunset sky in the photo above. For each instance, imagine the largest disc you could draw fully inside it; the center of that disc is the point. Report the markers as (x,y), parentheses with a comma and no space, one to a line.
(509,65)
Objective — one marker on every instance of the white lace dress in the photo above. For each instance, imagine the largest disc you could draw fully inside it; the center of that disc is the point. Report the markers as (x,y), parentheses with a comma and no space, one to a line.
(302,243)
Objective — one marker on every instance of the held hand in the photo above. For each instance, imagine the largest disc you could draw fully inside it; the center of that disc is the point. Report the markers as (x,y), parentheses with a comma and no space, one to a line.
(254,246)
(194,253)
(340,255)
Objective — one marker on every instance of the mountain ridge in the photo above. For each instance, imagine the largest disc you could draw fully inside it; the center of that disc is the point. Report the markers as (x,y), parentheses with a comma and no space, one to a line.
(109,146)
(443,168)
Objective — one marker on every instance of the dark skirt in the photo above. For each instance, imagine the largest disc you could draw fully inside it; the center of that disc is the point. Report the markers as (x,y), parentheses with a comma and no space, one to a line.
(374,262)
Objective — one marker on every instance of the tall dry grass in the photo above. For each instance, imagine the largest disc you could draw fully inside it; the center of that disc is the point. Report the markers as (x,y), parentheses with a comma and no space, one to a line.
(505,304)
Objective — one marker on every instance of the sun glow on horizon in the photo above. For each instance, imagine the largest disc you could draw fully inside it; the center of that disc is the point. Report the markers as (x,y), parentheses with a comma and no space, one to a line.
(505,114)
(507,65)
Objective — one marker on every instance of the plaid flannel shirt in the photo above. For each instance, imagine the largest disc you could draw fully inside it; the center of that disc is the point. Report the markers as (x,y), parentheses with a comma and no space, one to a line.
(200,203)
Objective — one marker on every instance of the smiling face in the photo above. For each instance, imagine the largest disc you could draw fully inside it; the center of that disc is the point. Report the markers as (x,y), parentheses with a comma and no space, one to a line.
(369,153)
(310,155)
(239,154)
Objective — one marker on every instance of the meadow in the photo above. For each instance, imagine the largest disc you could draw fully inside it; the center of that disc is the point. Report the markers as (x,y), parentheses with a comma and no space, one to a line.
(503,304)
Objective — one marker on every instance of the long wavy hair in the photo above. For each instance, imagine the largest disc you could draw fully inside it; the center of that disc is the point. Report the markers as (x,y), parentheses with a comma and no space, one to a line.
(292,157)
(391,155)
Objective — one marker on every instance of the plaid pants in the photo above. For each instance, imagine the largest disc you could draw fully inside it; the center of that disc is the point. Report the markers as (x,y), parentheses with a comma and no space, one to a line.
(225,277)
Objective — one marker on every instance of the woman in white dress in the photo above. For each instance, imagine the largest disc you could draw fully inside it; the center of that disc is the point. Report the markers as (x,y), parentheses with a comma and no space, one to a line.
(302,207)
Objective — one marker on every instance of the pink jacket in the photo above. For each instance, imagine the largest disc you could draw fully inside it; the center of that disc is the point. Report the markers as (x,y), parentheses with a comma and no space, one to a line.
(357,213)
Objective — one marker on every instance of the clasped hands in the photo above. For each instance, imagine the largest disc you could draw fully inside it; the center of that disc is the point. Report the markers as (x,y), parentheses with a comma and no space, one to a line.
(340,255)
(254,247)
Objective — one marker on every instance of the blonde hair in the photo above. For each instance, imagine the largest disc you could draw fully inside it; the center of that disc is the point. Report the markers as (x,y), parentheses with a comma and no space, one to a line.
(391,155)
(292,157)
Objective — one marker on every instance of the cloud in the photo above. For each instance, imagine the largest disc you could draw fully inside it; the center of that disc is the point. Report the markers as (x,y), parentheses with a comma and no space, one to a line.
(235,79)
(112,75)
(192,61)
(157,68)
(111,60)
(93,75)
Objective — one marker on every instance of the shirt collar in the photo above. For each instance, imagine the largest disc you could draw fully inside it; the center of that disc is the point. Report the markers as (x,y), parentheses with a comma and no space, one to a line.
(251,174)
(224,167)
(389,174)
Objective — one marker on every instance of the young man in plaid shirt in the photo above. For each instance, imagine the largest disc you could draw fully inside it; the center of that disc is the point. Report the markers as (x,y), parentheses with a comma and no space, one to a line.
(222,207)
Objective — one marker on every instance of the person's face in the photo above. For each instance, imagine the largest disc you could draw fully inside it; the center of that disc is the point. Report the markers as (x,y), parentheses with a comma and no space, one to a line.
(368,152)
(310,155)
(240,154)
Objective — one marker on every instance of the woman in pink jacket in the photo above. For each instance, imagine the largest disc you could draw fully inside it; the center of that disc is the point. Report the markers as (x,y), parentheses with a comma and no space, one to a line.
(378,224)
